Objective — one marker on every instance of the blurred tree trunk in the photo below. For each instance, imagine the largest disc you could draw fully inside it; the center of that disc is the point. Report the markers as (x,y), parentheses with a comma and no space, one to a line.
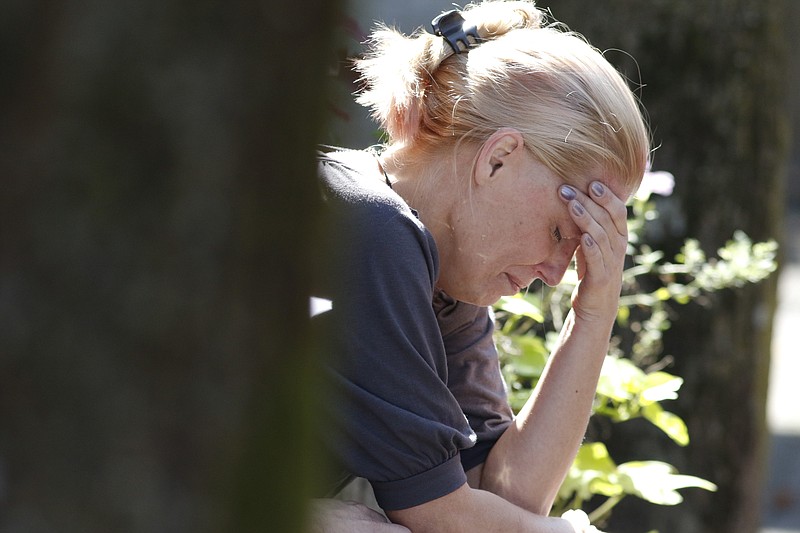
(714,86)
(159,202)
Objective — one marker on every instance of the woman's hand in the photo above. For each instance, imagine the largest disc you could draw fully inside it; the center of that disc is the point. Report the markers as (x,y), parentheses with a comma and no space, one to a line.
(602,219)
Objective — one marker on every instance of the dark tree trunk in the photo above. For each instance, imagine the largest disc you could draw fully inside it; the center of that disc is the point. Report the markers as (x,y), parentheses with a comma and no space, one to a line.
(714,78)
(158,206)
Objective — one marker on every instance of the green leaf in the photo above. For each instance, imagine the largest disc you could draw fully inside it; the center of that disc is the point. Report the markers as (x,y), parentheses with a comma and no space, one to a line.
(660,386)
(592,472)
(520,305)
(620,379)
(691,253)
(662,294)
(669,423)
(649,257)
(517,399)
(623,314)
(595,456)
(529,356)
(658,482)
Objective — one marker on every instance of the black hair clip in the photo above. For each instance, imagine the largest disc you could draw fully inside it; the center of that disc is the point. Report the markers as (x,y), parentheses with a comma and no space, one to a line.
(450,25)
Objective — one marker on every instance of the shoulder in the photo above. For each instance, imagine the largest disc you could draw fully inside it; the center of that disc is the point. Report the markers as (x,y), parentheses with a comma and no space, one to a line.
(354,178)
(363,204)
(372,226)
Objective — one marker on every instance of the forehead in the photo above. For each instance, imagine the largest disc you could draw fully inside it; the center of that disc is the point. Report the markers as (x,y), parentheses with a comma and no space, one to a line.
(615,184)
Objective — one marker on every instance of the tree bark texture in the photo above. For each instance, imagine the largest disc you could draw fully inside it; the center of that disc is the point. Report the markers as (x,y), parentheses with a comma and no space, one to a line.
(159,203)
(713,78)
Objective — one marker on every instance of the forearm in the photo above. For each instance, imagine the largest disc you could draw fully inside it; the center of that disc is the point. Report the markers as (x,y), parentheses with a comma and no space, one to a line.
(469,510)
(531,459)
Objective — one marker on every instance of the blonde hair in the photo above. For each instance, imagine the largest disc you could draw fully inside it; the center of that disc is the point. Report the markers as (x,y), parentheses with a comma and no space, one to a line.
(576,113)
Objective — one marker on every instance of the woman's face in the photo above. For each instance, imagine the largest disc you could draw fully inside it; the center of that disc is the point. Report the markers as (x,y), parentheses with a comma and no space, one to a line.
(508,231)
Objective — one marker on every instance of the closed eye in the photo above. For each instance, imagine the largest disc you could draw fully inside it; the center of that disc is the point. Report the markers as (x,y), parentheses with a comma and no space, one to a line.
(557,234)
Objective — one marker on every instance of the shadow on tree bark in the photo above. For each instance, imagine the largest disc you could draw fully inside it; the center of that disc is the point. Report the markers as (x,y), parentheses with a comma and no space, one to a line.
(158,211)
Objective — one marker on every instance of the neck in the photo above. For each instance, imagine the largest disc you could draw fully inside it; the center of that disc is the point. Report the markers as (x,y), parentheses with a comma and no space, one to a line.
(435,189)
(420,182)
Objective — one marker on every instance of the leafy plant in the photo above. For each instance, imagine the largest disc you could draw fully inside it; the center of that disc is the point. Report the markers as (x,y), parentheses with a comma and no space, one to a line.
(633,382)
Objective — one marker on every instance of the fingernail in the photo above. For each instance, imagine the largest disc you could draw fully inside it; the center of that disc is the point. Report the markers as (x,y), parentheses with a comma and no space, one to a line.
(578,209)
(598,189)
(567,192)
(588,241)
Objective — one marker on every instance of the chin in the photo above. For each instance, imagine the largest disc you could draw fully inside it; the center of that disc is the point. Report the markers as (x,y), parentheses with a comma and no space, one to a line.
(484,300)
(469,297)
(482,296)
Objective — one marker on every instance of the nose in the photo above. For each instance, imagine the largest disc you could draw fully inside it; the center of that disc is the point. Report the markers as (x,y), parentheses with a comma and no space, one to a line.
(552,270)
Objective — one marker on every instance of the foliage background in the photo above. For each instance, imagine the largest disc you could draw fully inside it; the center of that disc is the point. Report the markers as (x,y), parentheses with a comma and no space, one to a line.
(158,208)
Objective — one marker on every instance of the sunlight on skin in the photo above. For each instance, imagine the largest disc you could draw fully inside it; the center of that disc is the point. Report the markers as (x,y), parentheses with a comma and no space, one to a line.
(505,475)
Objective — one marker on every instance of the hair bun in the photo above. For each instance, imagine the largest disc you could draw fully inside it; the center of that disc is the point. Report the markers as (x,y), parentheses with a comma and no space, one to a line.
(397,68)
(494,19)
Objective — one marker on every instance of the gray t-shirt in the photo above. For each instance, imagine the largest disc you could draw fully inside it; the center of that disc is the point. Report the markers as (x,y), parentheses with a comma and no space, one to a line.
(417,394)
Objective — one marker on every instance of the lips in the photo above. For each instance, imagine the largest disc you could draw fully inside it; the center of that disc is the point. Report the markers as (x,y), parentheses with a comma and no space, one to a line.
(515,283)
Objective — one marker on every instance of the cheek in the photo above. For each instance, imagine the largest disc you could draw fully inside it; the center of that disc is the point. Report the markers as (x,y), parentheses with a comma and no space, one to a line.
(569,248)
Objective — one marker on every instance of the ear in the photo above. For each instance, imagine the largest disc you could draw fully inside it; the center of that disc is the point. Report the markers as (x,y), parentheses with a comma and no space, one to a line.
(494,156)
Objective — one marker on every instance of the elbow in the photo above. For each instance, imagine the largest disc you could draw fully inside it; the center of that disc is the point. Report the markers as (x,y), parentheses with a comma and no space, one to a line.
(534,496)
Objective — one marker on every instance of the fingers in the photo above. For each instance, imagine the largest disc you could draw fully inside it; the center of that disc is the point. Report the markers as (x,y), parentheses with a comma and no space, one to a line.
(600,215)
(615,207)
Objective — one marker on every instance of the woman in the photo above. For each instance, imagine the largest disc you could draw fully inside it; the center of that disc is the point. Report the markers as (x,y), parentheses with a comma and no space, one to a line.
(512,148)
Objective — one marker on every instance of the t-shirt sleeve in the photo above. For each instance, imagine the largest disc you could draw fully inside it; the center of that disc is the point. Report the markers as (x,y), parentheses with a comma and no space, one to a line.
(474,373)
(397,423)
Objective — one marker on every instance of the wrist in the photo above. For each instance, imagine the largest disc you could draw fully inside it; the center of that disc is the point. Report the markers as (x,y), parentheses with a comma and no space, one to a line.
(597,326)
